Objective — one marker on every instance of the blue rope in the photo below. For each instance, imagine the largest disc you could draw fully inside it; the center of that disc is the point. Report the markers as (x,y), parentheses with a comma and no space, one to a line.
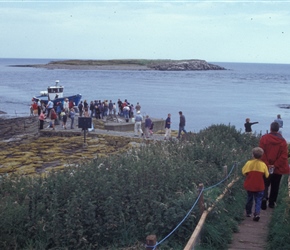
(188,213)
(222,179)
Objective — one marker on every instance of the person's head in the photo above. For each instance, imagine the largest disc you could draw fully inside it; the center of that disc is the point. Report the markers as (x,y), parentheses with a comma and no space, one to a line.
(257,152)
(248,120)
(169,115)
(180,112)
(279,116)
(274,127)
(147,116)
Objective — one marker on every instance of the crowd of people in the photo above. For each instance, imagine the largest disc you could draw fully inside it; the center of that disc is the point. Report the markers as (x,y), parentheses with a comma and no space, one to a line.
(60,112)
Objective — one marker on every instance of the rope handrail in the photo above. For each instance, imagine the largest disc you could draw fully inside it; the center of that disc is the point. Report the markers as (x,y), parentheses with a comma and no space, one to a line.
(190,210)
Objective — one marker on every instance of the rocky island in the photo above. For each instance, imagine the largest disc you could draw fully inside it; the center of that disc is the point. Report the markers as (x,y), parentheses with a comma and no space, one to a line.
(130,64)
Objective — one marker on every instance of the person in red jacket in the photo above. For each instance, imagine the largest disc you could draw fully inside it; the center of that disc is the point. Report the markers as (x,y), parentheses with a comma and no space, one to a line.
(255,170)
(276,158)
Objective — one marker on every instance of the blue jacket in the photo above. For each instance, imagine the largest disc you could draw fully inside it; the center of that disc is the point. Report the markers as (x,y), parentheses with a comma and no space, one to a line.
(148,123)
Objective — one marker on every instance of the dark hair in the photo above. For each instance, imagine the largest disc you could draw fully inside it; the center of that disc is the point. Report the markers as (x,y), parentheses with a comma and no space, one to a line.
(180,112)
(274,127)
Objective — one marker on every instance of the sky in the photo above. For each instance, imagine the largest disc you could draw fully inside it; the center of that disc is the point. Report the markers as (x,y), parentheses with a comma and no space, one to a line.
(215,31)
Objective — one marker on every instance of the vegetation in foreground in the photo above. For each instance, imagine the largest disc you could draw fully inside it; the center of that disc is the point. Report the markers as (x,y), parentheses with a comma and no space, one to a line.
(279,228)
(115,203)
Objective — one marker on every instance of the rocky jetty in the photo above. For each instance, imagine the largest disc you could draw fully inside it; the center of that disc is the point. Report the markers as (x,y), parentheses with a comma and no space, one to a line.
(27,151)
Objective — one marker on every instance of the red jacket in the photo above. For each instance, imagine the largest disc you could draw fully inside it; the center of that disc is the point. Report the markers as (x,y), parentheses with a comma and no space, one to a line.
(275,152)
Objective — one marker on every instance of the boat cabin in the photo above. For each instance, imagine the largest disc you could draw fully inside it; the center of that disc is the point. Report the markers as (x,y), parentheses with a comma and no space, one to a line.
(53,92)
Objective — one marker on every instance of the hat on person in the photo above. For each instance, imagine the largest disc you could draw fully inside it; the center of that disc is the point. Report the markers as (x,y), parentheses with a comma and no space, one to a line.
(138,112)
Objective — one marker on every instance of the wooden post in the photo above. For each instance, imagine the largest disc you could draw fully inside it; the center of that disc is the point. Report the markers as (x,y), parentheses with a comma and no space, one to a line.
(151,242)
(201,200)
(225,171)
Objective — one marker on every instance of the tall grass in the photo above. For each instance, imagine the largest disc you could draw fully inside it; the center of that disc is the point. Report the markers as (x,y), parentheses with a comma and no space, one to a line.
(279,228)
(115,202)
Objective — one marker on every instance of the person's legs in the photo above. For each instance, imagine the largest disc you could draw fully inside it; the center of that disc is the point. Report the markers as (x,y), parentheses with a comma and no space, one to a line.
(275,184)
(52,123)
(72,123)
(179,131)
(166,133)
(136,128)
(258,201)
(147,132)
(249,203)
(267,182)
(265,195)
(41,124)
(140,128)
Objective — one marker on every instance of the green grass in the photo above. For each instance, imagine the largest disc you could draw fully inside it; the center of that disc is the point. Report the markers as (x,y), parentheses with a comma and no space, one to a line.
(279,228)
(116,202)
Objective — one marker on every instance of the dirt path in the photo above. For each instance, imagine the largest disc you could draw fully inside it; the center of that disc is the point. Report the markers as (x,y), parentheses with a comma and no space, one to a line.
(252,234)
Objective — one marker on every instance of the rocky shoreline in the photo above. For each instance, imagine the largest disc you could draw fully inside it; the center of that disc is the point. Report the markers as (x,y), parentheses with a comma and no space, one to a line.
(159,65)
(26,150)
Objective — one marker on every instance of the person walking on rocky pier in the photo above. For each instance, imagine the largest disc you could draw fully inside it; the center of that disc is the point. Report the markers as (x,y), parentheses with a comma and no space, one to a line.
(41,119)
(138,107)
(72,117)
(181,124)
(138,123)
(148,123)
(167,127)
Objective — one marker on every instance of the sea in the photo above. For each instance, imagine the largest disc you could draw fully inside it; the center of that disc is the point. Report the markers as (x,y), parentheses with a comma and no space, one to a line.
(244,90)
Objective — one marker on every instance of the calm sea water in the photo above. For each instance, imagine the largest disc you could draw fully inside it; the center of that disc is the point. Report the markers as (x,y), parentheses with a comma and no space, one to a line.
(205,97)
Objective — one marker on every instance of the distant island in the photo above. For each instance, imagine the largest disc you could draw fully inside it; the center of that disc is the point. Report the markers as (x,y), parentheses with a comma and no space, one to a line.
(129,64)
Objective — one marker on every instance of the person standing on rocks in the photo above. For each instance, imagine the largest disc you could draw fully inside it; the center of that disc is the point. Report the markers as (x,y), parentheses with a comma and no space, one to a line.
(248,125)
(53,117)
(167,127)
(280,122)
(63,114)
(138,107)
(81,107)
(72,117)
(65,105)
(49,106)
(276,158)
(111,107)
(41,119)
(148,123)
(138,124)
(181,124)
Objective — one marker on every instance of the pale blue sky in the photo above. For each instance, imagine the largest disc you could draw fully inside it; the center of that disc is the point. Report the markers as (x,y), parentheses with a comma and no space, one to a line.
(216,31)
